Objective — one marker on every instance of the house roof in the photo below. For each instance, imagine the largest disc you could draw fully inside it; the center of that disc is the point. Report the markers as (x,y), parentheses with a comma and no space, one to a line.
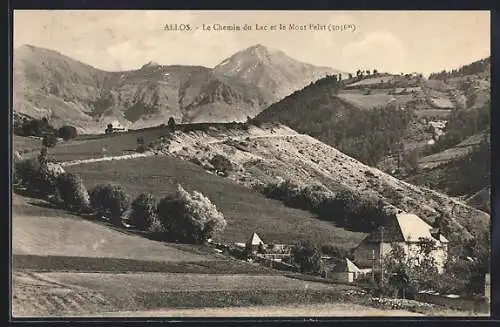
(413,228)
(255,240)
(403,227)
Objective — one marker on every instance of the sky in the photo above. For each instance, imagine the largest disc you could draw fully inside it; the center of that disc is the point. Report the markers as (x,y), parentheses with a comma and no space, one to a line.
(389,41)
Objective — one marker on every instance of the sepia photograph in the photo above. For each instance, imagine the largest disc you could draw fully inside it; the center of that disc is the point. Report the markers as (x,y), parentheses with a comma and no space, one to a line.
(201,163)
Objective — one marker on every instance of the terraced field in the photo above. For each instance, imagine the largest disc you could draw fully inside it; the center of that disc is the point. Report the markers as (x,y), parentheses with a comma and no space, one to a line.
(373,100)
(457,151)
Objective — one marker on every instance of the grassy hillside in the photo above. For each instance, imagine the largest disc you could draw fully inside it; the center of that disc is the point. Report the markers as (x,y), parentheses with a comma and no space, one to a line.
(361,117)
(41,230)
(259,155)
(460,150)
(246,211)
(264,155)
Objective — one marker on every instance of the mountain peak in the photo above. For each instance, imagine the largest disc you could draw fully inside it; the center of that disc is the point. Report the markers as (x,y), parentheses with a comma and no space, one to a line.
(258,46)
(271,70)
(259,49)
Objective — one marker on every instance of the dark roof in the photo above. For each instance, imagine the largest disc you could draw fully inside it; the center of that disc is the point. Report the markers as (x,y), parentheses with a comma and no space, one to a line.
(402,227)
(391,233)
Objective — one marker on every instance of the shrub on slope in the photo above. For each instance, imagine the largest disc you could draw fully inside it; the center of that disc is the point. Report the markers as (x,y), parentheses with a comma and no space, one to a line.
(110,201)
(191,218)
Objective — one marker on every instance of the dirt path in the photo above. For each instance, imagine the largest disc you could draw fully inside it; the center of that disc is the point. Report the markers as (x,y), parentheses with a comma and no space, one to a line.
(122,157)
(175,148)
(315,310)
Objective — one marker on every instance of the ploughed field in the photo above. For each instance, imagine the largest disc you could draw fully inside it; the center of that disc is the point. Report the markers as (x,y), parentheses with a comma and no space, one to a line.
(62,294)
(67,265)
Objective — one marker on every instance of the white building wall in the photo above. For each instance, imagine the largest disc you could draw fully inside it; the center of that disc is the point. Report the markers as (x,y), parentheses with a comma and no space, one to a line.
(342,277)
(439,254)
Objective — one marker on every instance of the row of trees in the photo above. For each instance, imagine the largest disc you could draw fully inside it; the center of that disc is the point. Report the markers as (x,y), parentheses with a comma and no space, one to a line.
(42,128)
(183,216)
(471,69)
(353,211)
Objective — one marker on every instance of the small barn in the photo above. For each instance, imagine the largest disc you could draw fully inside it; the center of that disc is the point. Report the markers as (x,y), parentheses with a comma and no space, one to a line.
(17,156)
(254,242)
(344,271)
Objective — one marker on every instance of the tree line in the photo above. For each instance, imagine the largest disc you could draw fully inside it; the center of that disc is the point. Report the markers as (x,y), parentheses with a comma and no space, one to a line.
(347,209)
(471,69)
(179,217)
(42,128)
(367,135)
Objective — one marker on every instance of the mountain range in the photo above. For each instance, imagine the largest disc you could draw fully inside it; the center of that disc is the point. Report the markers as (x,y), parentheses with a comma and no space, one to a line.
(66,91)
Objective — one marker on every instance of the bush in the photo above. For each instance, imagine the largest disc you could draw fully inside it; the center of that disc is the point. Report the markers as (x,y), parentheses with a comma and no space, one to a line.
(33,127)
(307,256)
(35,176)
(72,192)
(189,217)
(222,164)
(67,132)
(110,201)
(49,141)
(27,172)
(144,211)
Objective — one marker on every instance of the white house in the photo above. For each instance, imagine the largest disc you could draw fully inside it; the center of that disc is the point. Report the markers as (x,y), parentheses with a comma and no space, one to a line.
(406,230)
(116,127)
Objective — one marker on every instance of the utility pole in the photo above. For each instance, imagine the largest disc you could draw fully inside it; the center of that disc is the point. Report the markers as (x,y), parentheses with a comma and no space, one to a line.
(381,254)
(373,265)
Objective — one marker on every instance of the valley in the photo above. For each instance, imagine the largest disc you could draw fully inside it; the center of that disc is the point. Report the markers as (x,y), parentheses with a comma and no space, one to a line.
(256,124)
